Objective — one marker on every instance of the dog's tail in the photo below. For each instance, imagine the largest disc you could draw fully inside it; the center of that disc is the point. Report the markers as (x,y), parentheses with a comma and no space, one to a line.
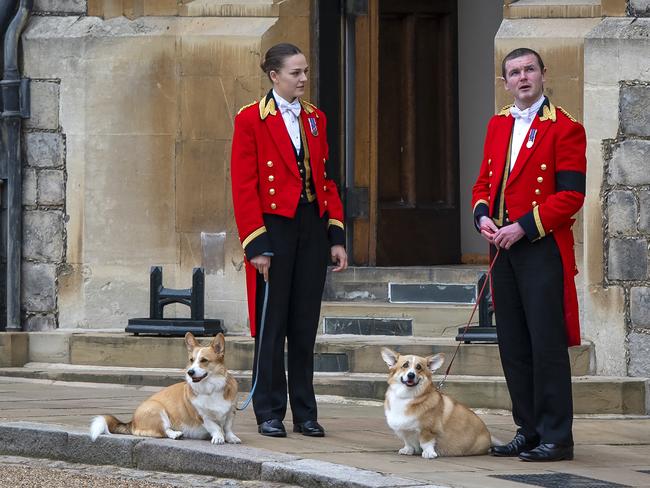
(495,441)
(107,424)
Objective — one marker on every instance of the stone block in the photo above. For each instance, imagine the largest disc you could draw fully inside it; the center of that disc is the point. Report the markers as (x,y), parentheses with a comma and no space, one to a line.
(43,235)
(644,211)
(628,259)
(44,96)
(29,186)
(60,6)
(640,306)
(312,472)
(639,351)
(628,165)
(635,110)
(14,349)
(51,187)
(40,323)
(44,149)
(116,449)
(33,440)
(230,461)
(49,347)
(640,8)
(621,212)
(38,287)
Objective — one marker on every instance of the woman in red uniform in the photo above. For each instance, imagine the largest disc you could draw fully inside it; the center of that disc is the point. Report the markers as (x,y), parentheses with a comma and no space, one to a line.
(290,221)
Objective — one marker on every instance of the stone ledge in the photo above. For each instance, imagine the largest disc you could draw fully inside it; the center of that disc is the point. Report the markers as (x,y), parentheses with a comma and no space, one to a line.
(185,456)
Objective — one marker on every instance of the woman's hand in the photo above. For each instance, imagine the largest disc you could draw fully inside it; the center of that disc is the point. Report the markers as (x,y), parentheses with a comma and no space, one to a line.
(339,258)
(262,264)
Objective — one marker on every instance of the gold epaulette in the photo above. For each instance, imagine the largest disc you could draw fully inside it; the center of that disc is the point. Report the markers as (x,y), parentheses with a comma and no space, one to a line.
(569,116)
(308,107)
(245,107)
(505,111)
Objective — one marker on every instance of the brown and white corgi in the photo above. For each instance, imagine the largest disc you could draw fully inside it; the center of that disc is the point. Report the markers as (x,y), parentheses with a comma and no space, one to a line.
(201,407)
(428,421)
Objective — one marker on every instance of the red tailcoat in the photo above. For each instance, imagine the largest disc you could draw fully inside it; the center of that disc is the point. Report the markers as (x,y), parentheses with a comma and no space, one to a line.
(544,190)
(266,179)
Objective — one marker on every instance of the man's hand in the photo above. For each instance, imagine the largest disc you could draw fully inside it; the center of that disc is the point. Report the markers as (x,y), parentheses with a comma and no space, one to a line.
(262,264)
(488,228)
(508,235)
(339,257)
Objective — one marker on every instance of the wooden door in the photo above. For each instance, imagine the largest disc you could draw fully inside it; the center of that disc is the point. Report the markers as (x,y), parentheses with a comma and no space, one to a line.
(418,220)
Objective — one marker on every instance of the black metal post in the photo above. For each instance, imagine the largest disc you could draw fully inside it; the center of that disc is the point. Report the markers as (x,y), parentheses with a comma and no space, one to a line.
(197,308)
(14,108)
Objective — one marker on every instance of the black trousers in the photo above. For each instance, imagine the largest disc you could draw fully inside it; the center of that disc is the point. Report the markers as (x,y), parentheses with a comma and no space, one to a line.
(296,281)
(528,288)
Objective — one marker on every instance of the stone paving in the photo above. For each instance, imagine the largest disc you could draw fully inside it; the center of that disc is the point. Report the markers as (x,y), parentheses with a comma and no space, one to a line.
(613,449)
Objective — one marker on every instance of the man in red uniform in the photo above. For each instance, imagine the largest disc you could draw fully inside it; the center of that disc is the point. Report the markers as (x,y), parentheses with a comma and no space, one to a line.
(531,183)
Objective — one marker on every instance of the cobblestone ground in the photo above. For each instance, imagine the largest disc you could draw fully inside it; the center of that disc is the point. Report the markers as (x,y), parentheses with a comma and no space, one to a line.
(20,472)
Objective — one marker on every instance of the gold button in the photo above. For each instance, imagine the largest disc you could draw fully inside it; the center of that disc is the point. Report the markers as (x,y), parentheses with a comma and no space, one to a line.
(269,164)
(272,191)
(324,159)
(506,211)
(324,187)
(538,192)
(543,166)
(271,177)
(490,173)
(540,179)
(488,197)
(325,203)
(490,185)
(324,174)
(534,203)
(274,206)
(489,161)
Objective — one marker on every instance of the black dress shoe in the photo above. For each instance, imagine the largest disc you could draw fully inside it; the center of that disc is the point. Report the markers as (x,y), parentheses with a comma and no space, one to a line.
(272,428)
(309,428)
(548,452)
(515,447)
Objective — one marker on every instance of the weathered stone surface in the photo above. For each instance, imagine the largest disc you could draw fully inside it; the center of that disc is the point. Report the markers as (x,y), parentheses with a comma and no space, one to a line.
(31,439)
(628,259)
(44,149)
(639,347)
(629,163)
(640,7)
(49,347)
(44,105)
(621,212)
(38,286)
(43,235)
(29,186)
(38,323)
(635,110)
(51,187)
(640,306)
(115,449)
(60,6)
(644,211)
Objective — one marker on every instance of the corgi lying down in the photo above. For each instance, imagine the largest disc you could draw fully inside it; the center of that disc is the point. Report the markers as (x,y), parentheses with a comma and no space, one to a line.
(202,407)
(428,421)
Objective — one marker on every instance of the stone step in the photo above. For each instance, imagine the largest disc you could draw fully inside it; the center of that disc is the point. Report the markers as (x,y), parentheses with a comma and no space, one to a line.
(592,394)
(417,319)
(334,353)
(430,284)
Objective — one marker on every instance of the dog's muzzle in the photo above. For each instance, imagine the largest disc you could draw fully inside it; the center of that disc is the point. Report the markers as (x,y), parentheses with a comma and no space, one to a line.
(192,374)
(411,379)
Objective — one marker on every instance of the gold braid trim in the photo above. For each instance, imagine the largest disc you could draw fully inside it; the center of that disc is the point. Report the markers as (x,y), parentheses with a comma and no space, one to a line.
(505,111)
(335,222)
(569,116)
(252,236)
(245,107)
(267,108)
(538,221)
(478,202)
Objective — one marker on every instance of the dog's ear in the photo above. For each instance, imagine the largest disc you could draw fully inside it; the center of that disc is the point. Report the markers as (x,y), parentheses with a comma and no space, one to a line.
(218,343)
(389,356)
(190,341)
(434,362)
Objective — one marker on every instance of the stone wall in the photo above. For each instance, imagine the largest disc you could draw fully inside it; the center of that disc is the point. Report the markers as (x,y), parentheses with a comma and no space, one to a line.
(617,208)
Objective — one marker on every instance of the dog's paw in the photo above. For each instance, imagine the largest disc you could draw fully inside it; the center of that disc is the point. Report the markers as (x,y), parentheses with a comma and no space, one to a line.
(232,438)
(174,434)
(429,454)
(407,451)
(217,439)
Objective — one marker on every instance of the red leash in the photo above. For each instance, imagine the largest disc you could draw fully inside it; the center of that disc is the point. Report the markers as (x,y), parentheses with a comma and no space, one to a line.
(478,299)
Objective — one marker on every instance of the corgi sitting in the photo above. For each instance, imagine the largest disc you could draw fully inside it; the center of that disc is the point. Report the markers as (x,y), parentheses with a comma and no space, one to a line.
(201,407)
(428,421)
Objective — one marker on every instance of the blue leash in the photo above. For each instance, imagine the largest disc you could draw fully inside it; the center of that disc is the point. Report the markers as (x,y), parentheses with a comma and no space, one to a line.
(259,347)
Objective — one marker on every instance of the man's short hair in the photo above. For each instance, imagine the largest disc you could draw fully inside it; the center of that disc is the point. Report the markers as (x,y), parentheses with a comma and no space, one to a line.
(517,53)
